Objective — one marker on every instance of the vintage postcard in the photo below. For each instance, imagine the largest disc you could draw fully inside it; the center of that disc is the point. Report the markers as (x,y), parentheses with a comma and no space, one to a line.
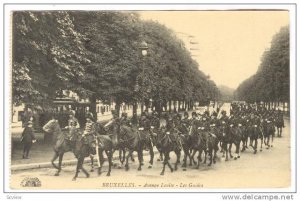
(150,98)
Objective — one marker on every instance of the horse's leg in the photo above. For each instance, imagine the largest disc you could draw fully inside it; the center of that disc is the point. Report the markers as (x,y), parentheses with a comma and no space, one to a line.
(261,142)
(211,156)
(178,153)
(92,162)
(193,159)
(60,158)
(230,146)
(272,138)
(199,158)
(109,157)
(83,169)
(151,156)
(101,159)
(77,170)
(120,156)
(226,151)
(127,157)
(56,154)
(205,155)
(168,162)
(140,158)
(255,145)
(164,165)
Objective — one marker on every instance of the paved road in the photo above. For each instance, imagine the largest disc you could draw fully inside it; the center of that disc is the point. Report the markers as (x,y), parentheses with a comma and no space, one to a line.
(266,169)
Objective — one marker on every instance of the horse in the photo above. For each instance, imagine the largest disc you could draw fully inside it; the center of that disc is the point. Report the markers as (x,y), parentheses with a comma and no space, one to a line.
(236,137)
(245,136)
(167,144)
(225,139)
(279,122)
(61,144)
(198,143)
(269,131)
(131,139)
(255,132)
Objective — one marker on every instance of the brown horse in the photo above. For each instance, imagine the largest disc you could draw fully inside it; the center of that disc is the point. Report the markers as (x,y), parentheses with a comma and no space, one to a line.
(167,143)
(198,143)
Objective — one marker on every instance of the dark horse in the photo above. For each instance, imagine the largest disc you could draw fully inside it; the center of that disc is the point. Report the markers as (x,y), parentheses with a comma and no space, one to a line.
(167,142)
(236,133)
(269,132)
(255,132)
(226,139)
(198,143)
(133,140)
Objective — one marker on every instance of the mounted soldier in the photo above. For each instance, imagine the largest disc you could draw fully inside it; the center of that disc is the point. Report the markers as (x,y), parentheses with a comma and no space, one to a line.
(89,132)
(73,125)
(124,120)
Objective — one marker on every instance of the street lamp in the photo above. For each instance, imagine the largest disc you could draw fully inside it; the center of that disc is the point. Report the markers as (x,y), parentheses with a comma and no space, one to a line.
(144,47)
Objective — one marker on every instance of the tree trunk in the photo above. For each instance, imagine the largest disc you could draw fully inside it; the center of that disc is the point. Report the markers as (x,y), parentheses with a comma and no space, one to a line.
(117,107)
(134,113)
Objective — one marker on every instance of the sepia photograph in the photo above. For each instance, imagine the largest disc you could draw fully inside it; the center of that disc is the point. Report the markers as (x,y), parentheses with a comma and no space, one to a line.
(150,99)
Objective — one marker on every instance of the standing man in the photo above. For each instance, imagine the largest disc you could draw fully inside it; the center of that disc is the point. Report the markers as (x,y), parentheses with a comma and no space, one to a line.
(27,138)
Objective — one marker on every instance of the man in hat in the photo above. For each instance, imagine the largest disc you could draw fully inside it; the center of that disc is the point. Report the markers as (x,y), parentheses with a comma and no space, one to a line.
(27,138)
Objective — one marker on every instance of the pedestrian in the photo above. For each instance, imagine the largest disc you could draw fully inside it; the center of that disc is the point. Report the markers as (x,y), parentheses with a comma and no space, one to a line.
(27,138)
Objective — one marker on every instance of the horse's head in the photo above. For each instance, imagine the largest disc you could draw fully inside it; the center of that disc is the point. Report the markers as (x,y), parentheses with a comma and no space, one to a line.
(52,126)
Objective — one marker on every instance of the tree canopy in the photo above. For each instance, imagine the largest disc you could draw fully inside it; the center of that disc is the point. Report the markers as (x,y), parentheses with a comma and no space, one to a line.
(97,55)
(271,83)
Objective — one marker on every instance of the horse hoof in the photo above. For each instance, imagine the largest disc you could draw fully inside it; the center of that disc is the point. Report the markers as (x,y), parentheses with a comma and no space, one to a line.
(108,174)
(184,169)
(239,156)
(231,156)
(254,152)
(260,150)
(161,173)
(175,169)
(214,162)
(126,168)
(172,170)
(158,159)
(235,158)
(74,179)
(150,166)
(119,167)
(133,160)
(88,175)
(139,169)
(56,174)
(92,170)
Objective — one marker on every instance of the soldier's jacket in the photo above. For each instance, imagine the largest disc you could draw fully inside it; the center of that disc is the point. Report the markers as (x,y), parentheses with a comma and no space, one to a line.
(89,128)
(223,118)
(73,123)
(125,122)
(145,123)
(184,125)
(155,122)
(254,121)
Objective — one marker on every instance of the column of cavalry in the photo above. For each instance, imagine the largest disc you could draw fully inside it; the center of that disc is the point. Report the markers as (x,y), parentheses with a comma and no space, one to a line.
(248,128)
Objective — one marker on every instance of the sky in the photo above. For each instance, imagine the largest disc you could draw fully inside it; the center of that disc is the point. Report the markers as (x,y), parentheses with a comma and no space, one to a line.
(230,43)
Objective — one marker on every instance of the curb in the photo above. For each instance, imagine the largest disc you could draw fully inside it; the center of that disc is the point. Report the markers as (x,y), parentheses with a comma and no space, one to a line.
(15,168)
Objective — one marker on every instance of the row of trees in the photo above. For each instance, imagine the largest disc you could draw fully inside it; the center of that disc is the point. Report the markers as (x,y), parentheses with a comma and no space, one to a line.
(271,83)
(97,55)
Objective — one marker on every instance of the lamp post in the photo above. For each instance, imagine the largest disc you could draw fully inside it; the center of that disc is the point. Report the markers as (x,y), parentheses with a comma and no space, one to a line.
(143,47)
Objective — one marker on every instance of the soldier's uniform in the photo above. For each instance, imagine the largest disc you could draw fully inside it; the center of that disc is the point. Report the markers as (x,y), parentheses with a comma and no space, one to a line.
(73,125)
(89,133)
(124,120)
